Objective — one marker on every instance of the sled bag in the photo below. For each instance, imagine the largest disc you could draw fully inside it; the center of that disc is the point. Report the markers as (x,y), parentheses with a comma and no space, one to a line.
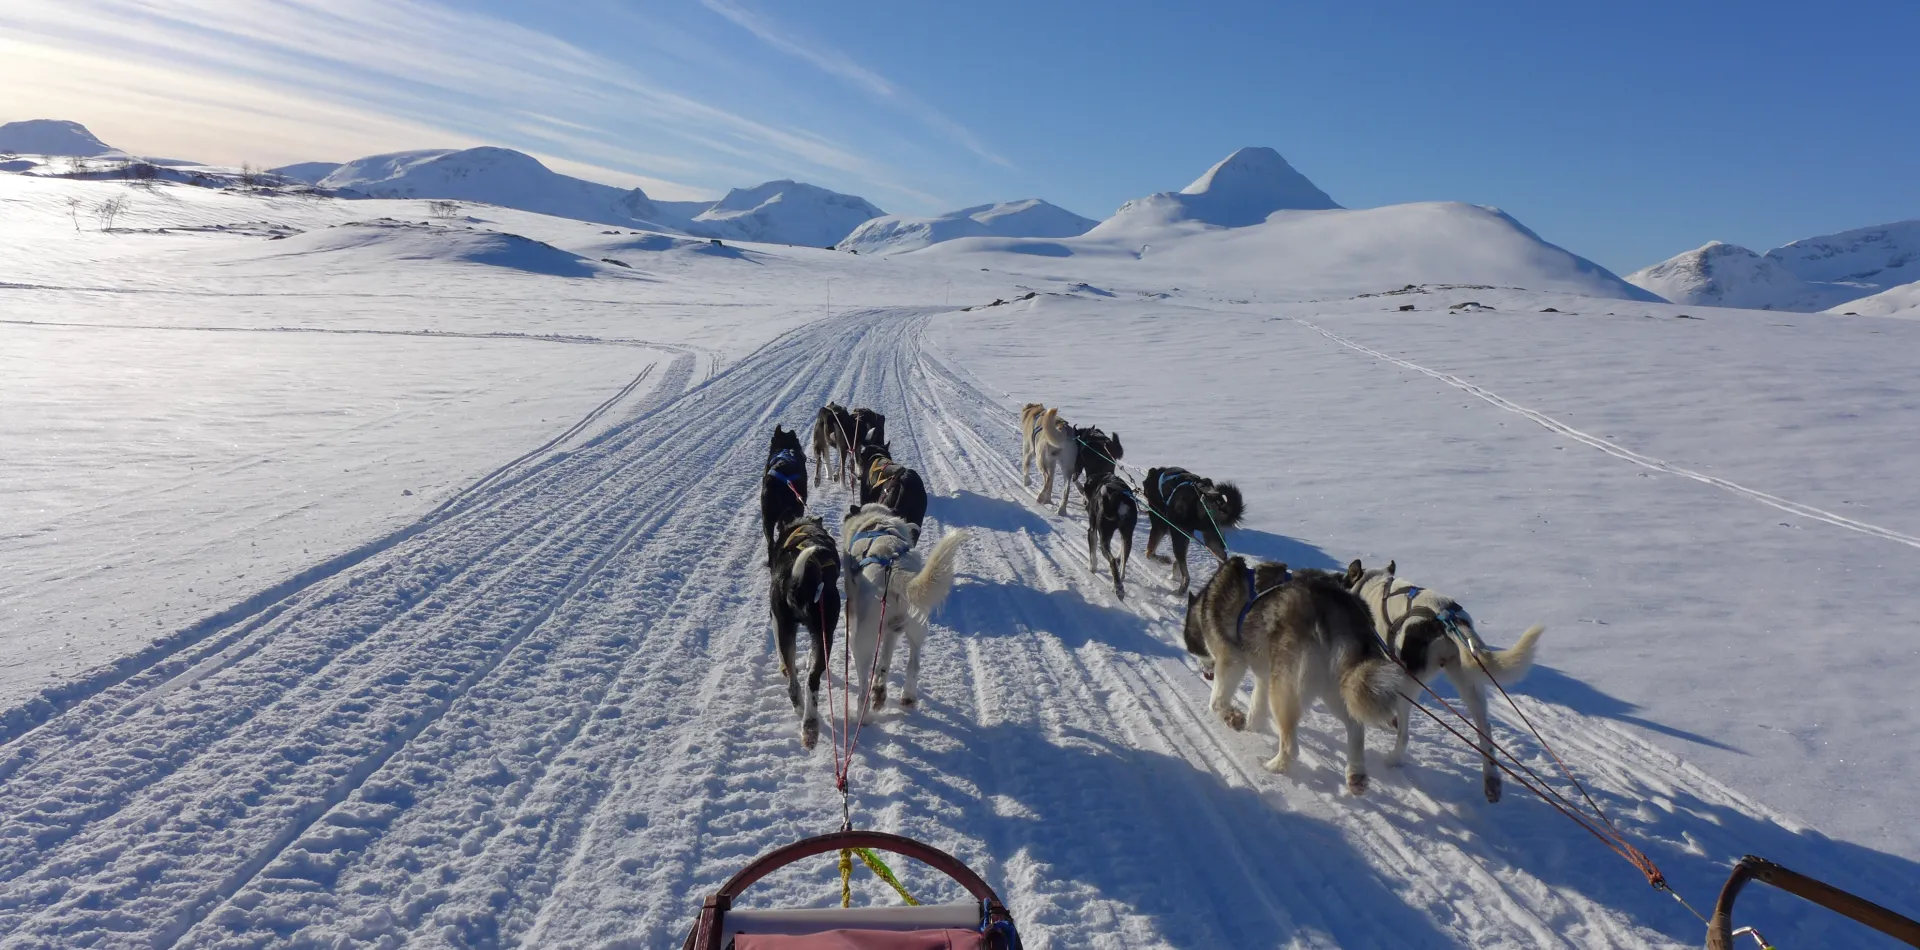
(865,940)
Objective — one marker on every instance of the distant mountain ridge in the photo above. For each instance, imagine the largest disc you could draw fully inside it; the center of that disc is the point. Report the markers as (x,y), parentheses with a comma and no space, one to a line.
(1030,217)
(1807,275)
(52,137)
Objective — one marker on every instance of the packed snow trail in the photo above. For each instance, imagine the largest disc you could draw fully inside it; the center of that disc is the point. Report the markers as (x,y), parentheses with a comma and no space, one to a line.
(553,718)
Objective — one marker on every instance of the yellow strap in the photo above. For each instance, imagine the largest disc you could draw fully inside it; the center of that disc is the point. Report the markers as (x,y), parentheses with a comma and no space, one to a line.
(885,873)
(846,877)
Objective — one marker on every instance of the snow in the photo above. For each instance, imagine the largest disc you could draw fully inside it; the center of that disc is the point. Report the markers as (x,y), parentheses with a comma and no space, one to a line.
(498,176)
(257,696)
(51,137)
(1030,217)
(309,172)
(1804,276)
(785,212)
(1900,301)
(1241,189)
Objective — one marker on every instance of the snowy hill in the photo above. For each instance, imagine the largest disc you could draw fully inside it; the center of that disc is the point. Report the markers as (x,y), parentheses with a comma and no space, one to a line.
(1728,275)
(1241,190)
(497,176)
(1807,275)
(785,212)
(309,172)
(1032,217)
(1901,301)
(51,137)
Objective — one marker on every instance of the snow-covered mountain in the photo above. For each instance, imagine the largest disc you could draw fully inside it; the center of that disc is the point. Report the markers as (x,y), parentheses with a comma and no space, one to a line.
(785,212)
(309,172)
(498,176)
(1240,190)
(1811,274)
(52,137)
(1031,217)
(1252,225)
(777,212)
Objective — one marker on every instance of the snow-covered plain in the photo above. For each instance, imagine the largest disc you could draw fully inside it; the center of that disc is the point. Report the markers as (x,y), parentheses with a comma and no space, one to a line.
(534,703)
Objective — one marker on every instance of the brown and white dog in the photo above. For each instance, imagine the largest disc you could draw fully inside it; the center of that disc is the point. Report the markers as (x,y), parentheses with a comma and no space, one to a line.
(1048,439)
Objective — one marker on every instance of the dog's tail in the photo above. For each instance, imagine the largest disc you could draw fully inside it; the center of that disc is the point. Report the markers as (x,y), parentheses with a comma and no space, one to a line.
(930,587)
(1372,690)
(1512,664)
(1226,504)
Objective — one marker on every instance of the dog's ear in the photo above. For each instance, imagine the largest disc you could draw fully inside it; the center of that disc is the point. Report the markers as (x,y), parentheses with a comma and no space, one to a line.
(1392,568)
(852,510)
(1354,570)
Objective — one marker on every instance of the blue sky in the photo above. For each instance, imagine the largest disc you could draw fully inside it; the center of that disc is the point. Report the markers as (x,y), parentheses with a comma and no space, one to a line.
(1626,132)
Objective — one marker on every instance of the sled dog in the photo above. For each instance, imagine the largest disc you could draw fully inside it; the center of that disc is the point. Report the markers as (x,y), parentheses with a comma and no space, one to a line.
(1305,636)
(783,485)
(1111,509)
(892,484)
(1187,508)
(1048,439)
(1431,634)
(804,587)
(868,426)
(1096,456)
(833,429)
(883,573)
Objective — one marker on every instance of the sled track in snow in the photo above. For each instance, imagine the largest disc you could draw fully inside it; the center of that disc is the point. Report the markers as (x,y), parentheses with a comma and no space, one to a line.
(1619,451)
(552,718)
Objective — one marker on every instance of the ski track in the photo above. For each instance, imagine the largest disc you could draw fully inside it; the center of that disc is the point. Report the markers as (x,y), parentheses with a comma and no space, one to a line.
(550,715)
(1619,451)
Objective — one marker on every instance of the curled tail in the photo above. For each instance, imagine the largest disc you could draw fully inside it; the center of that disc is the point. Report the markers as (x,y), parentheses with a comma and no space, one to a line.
(930,587)
(1226,504)
(1512,664)
(1372,690)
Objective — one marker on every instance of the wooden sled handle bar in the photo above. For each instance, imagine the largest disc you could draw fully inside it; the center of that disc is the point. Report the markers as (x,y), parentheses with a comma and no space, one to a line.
(1719,929)
(706,934)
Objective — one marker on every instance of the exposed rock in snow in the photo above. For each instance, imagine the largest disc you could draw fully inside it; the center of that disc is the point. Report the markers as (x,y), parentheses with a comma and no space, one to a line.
(1031,217)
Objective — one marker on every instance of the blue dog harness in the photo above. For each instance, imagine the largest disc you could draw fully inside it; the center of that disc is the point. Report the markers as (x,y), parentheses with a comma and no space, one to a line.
(884,560)
(1253,595)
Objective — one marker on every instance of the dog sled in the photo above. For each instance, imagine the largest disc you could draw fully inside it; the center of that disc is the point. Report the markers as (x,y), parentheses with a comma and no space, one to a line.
(981,923)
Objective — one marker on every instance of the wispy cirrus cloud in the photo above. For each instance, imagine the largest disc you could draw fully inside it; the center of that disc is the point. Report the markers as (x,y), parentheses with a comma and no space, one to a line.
(387,74)
(836,63)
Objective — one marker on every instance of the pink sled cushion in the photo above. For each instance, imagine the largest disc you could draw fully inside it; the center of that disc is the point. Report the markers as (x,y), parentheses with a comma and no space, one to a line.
(865,940)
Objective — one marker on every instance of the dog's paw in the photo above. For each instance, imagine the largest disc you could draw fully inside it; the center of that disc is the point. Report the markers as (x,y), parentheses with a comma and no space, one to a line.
(1493,788)
(1357,783)
(909,701)
(879,696)
(1394,758)
(1236,719)
(810,733)
(783,671)
(1279,764)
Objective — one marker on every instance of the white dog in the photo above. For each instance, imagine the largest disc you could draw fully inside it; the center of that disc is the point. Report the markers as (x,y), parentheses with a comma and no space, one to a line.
(1430,633)
(879,565)
(1047,438)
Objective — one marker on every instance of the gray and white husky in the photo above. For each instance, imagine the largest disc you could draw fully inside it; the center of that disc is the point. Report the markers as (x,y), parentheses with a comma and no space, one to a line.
(880,566)
(1431,634)
(1305,636)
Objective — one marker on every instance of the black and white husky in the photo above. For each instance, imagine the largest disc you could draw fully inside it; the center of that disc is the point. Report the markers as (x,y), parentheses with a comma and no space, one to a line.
(1111,509)
(1305,636)
(884,575)
(804,588)
(833,429)
(1431,634)
(783,485)
(868,426)
(1190,508)
(1096,457)
(892,484)
(1047,439)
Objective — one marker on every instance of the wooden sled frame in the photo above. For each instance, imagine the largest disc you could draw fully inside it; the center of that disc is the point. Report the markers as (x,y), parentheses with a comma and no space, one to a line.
(1720,928)
(711,929)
